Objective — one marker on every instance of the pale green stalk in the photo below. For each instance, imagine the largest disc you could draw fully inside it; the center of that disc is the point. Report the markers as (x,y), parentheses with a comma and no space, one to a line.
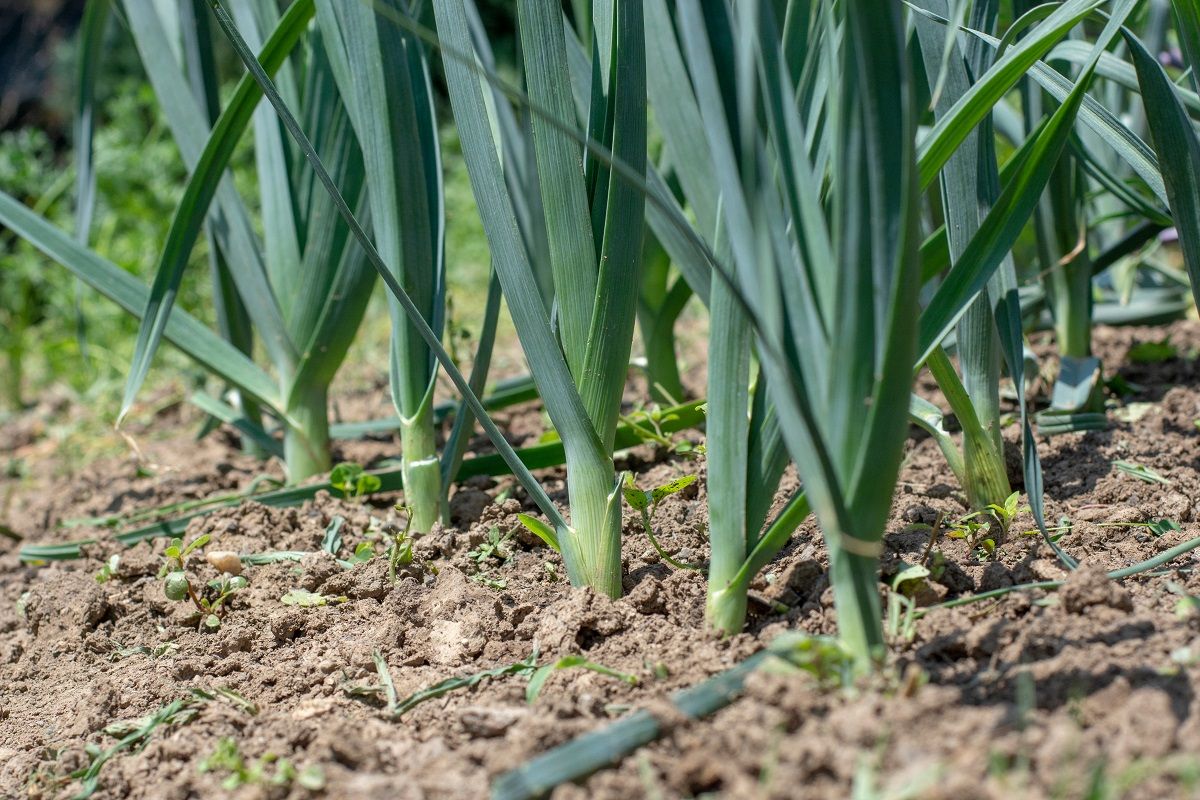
(593,223)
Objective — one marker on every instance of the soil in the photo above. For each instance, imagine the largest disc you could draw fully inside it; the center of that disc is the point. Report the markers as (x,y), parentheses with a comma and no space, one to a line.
(1084,692)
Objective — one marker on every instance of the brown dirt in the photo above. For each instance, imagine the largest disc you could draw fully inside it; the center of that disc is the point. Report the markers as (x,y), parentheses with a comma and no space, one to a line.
(1086,692)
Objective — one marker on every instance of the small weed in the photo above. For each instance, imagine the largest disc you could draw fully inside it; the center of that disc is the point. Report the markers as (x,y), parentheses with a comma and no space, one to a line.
(352,480)
(132,734)
(496,584)
(647,422)
(646,503)
(269,770)
(495,548)
(538,679)
(213,599)
(1163,527)
(158,651)
(229,696)
(1188,605)
(1141,473)
(107,572)
(400,549)
(1153,352)
(976,527)
(332,542)
(396,707)
(901,612)
(823,657)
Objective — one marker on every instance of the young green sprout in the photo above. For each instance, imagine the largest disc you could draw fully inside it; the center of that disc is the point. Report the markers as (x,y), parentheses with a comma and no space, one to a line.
(352,480)
(400,549)
(211,600)
(646,503)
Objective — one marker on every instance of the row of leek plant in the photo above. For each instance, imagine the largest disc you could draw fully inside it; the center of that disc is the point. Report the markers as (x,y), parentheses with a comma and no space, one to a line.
(322,309)
(1106,160)
(736,175)
(1094,202)
(793,143)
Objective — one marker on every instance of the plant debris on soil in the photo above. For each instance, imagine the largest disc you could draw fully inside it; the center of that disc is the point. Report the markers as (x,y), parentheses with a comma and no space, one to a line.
(1083,692)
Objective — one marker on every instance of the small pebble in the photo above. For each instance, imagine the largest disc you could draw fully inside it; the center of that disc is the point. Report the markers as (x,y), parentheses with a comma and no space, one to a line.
(225,561)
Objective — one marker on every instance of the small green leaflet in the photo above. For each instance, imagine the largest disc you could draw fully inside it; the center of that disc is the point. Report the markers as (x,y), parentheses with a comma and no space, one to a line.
(332,542)
(351,480)
(640,500)
(1152,352)
(1163,527)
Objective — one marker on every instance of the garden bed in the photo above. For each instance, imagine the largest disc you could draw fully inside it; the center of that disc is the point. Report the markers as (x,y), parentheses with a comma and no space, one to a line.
(1083,692)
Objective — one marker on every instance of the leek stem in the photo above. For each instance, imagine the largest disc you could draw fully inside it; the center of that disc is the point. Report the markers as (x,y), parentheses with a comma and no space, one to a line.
(985,479)
(306,443)
(421,469)
(592,551)
(856,598)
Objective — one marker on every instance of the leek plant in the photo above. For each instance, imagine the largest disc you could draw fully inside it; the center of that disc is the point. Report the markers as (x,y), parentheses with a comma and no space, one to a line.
(746,453)
(806,134)
(1062,231)
(662,298)
(975,402)
(968,186)
(305,283)
(383,75)
(577,346)
(1097,211)
(817,270)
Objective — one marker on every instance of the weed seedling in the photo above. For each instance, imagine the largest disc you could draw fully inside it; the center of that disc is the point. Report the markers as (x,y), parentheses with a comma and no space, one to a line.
(109,570)
(158,651)
(648,423)
(400,550)
(902,606)
(211,602)
(495,548)
(1152,352)
(131,734)
(396,707)
(352,480)
(646,503)
(226,757)
(978,531)
(1141,473)
(823,657)
(538,679)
